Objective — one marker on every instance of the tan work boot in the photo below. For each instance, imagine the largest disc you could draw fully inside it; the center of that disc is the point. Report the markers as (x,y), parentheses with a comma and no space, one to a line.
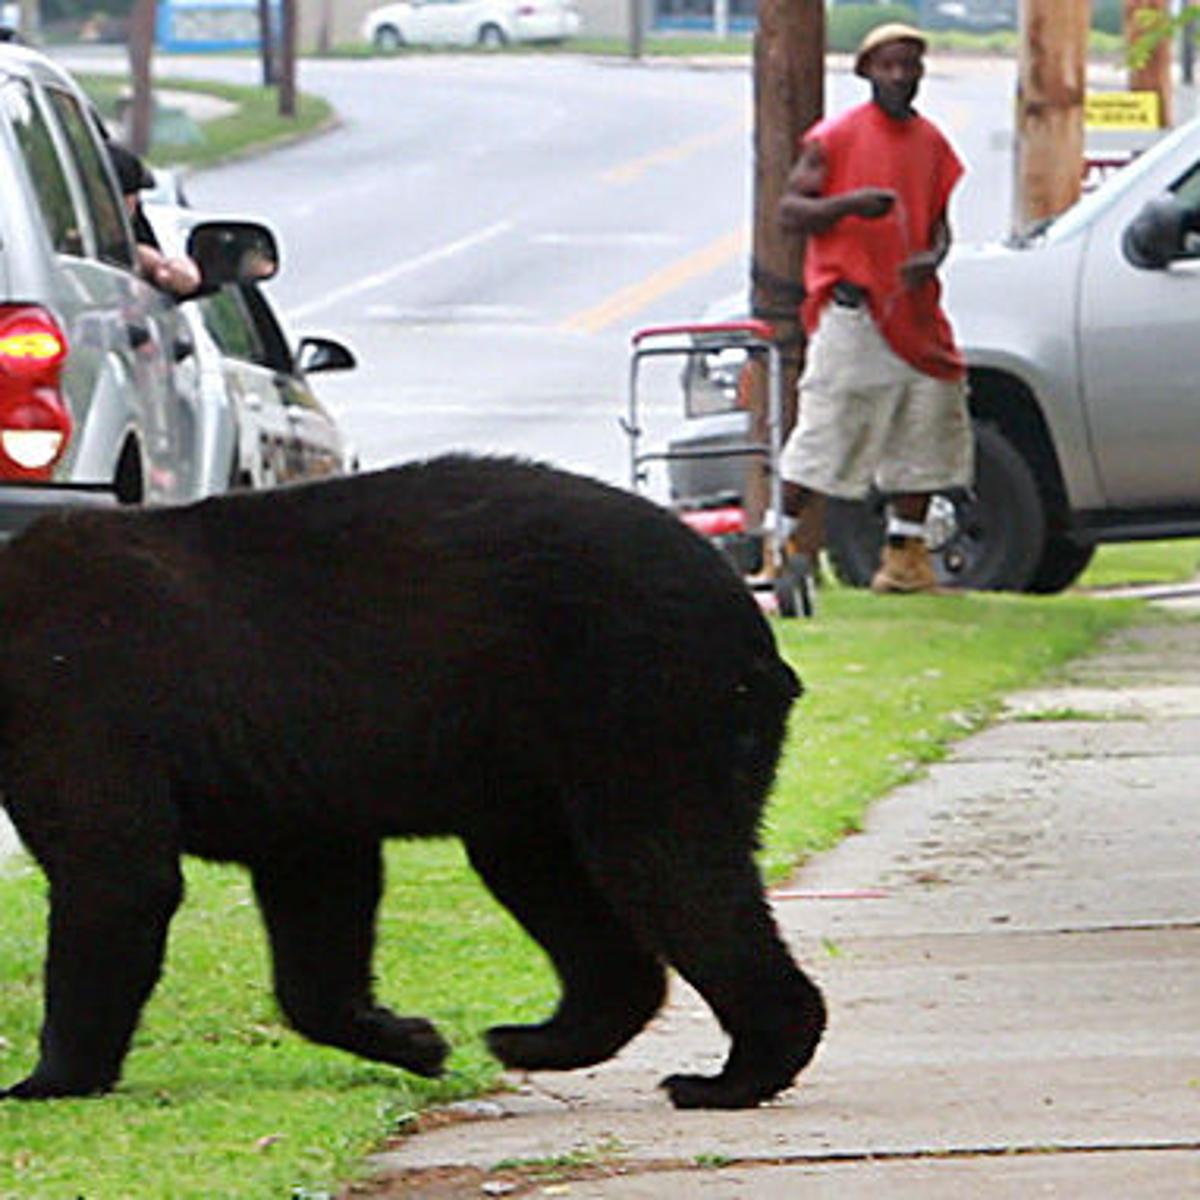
(905,568)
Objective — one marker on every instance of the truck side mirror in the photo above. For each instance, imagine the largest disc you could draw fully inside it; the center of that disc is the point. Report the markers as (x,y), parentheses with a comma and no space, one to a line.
(1154,238)
(233,252)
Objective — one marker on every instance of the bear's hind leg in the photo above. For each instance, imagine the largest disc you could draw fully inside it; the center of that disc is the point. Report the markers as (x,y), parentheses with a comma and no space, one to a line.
(718,932)
(611,984)
(319,903)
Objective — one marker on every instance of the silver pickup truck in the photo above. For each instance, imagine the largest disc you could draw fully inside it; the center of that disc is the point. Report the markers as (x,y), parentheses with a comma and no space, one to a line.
(1083,343)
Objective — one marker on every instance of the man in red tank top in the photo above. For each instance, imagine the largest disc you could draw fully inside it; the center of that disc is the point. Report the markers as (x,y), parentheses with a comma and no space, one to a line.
(883,395)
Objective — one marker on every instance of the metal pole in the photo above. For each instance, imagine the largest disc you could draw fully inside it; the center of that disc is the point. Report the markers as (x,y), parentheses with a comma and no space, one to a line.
(721,18)
(287,59)
(637,26)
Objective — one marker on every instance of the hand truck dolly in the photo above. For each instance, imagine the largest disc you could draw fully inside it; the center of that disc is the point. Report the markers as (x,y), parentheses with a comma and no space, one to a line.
(709,471)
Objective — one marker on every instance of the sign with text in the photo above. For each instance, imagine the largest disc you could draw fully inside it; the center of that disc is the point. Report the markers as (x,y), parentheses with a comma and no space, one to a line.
(1121,110)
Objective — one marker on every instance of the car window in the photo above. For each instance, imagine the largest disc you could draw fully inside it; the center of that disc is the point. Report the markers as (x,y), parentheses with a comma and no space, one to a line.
(276,353)
(1188,188)
(230,325)
(43,166)
(113,243)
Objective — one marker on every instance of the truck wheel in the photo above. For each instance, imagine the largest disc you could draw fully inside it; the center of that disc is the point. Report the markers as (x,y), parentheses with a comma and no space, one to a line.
(1000,535)
(1062,562)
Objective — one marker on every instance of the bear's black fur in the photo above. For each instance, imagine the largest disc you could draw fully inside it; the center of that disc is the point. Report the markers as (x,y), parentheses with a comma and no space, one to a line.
(555,671)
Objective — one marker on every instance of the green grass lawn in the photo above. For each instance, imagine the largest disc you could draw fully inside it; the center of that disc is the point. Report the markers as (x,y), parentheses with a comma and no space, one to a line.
(219,1099)
(254,123)
(1143,562)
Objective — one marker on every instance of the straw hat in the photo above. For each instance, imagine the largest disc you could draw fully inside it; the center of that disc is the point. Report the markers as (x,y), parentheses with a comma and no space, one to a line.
(881,35)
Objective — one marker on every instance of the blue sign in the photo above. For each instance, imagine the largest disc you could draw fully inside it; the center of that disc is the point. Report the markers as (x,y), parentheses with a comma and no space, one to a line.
(207,25)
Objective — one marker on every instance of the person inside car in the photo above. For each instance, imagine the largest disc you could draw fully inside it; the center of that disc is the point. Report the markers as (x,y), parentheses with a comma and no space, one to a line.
(177,275)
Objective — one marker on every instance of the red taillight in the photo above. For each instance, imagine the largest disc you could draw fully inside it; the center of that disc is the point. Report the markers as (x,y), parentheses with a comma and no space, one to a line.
(34,423)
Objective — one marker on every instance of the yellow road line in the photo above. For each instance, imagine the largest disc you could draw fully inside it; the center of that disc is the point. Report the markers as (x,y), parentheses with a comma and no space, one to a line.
(623,304)
(631,170)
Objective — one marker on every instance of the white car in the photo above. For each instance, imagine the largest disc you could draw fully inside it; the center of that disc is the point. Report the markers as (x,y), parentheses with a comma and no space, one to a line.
(489,23)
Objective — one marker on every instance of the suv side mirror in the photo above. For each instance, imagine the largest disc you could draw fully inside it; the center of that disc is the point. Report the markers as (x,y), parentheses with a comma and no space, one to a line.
(323,354)
(1154,238)
(233,252)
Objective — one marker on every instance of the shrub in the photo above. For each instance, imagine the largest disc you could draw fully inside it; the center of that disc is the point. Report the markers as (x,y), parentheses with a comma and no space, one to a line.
(847,24)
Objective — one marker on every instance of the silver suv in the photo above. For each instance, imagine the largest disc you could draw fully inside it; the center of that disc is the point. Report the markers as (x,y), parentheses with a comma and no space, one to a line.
(99,399)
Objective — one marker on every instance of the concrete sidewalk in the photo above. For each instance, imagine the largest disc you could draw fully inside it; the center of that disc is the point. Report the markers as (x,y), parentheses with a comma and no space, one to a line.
(1014,993)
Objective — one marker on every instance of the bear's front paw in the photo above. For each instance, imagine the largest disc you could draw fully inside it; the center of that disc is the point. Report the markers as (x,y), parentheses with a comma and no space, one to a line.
(418,1046)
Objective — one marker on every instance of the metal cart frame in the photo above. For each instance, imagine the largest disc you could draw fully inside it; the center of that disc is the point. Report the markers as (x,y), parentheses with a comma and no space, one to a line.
(788,578)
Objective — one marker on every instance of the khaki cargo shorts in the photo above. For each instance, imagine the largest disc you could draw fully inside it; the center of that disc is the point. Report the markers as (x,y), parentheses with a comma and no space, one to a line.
(867,417)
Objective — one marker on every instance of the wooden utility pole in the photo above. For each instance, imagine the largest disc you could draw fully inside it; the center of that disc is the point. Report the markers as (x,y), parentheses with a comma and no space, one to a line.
(325,29)
(789,96)
(141,53)
(1154,75)
(1051,88)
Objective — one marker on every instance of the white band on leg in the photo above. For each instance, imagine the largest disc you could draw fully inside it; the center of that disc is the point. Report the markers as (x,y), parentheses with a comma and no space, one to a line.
(898,527)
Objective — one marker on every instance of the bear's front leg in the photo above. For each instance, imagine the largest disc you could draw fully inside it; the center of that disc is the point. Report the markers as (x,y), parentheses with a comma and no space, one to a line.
(319,902)
(108,930)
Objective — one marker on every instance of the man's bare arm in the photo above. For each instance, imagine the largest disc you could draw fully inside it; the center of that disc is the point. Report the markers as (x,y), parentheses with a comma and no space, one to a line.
(803,209)
(923,265)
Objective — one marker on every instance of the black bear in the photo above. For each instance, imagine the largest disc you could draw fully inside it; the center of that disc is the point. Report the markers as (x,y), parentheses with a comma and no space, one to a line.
(553,670)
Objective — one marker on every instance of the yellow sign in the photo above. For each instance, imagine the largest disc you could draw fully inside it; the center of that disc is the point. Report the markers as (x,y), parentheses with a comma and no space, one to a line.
(1121,110)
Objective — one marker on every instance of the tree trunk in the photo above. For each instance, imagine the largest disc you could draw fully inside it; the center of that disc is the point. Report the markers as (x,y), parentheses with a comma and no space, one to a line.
(789,96)
(1051,87)
(287,59)
(1154,75)
(141,53)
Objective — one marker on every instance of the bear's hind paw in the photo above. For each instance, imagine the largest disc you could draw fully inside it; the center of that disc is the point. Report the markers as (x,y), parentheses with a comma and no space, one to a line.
(715,1091)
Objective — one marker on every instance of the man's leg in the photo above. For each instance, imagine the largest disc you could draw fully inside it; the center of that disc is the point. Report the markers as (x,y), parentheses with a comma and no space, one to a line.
(807,509)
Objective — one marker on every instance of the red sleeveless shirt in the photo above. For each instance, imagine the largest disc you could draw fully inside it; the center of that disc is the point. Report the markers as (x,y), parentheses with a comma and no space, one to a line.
(864,147)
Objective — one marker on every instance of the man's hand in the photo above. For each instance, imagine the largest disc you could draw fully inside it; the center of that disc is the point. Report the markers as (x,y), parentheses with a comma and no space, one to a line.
(178,276)
(920,268)
(870,203)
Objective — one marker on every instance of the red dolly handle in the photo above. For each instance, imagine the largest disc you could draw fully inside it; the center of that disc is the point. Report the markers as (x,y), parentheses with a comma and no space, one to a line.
(758,329)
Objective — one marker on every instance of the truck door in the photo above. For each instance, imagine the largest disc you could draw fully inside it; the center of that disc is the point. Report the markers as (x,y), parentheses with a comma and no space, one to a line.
(1140,362)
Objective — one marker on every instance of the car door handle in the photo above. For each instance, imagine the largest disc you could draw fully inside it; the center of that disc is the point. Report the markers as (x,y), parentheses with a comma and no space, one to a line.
(139,335)
(182,348)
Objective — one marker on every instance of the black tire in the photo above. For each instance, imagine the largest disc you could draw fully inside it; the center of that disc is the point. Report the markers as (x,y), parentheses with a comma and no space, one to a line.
(1001,533)
(1062,562)
(491,37)
(388,39)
